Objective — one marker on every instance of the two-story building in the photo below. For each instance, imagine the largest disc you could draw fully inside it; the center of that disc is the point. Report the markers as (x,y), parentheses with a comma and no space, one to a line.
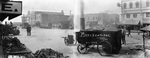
(135,13)
(47,19)
(100,20)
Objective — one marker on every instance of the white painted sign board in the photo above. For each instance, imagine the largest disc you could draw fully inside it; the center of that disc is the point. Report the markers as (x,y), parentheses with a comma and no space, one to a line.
(11,7)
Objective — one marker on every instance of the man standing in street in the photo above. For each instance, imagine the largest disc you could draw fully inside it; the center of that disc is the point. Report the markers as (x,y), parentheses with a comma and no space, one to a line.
(28,30)
(123,32)
(129,31)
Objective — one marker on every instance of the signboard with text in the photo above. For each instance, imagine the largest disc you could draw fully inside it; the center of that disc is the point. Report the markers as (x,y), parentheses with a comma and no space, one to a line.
(11,7)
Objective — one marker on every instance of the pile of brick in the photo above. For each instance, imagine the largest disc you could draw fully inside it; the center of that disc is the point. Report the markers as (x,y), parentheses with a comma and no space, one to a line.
(48,53)
(12,44)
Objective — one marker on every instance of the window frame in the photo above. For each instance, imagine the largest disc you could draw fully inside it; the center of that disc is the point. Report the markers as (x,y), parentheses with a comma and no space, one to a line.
(137,4)
(135,15)
(148,14)
(147,3)
(130,5)
(124,5)
(128,15)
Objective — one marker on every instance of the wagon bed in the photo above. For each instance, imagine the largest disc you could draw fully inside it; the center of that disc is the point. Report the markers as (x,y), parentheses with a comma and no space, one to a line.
(97,36)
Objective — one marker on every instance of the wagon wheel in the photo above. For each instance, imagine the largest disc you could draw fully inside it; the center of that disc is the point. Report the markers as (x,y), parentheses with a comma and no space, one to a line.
(105,48)
(66,42)
(91,47)
(82,49)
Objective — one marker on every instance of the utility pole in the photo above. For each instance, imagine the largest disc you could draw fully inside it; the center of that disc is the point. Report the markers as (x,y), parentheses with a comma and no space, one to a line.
(142,17)
(82,19)
(122,14)
(142,14)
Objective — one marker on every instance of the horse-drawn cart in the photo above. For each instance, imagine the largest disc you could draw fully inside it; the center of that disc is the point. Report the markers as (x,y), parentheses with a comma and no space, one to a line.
(107,41)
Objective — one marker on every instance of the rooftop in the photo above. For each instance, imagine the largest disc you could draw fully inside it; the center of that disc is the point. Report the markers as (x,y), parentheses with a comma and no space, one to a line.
(46,12)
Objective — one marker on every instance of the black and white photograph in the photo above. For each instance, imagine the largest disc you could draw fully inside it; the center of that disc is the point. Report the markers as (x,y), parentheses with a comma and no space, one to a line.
(74,28)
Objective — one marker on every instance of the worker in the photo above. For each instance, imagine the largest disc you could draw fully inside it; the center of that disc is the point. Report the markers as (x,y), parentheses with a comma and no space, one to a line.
(129,31)
(123,32)
(11,24)
(28,30)
(6,29)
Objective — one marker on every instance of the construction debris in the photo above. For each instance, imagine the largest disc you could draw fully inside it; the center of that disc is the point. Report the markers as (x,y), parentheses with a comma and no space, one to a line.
(48,53)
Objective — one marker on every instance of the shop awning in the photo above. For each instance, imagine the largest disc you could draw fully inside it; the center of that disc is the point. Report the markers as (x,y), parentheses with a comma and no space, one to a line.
(130,22)
(147,28)
(146,21)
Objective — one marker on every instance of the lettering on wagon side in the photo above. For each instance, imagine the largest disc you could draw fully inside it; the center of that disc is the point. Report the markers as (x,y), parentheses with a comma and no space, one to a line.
(94,35)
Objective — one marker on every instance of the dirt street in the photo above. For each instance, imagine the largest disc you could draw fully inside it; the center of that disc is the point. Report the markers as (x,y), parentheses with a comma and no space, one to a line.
(51,38)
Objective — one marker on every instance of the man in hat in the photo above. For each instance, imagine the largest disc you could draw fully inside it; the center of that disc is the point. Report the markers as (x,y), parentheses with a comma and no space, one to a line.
(123,32)
(28,30)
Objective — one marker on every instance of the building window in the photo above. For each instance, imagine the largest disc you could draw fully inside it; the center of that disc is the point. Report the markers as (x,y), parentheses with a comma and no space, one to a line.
(93,18)
(128,15)
(99,17)
(148,14)
(147,3)
(96,17)
(87,18)
(135,15)
(125,5)
(131,4)
(137,4)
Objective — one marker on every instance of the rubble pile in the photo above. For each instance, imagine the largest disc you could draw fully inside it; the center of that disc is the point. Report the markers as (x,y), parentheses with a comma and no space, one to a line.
(48,53)
(12,44)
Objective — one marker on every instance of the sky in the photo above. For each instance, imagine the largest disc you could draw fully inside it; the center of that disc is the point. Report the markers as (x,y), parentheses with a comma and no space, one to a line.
(90,6)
